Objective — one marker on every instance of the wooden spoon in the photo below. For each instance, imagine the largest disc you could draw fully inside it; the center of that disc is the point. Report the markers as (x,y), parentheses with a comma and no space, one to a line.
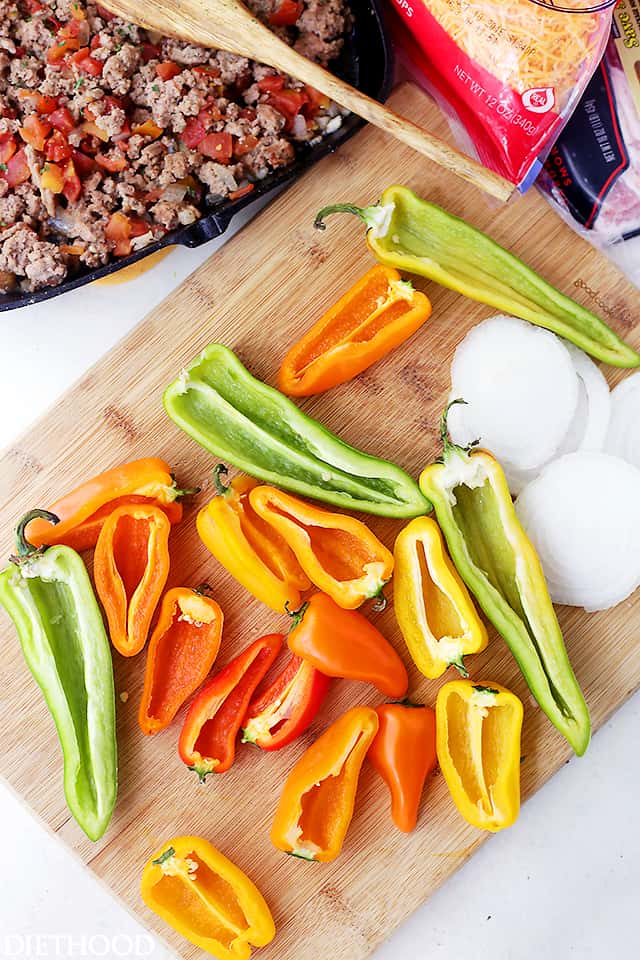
(228,25)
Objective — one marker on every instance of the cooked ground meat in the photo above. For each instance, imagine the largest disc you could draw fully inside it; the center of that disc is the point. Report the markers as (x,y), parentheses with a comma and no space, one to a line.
(111,136)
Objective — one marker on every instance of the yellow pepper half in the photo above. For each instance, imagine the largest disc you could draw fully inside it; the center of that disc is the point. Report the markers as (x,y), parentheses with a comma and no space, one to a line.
(248,548)
(206,898)
(478,744)
(435,613)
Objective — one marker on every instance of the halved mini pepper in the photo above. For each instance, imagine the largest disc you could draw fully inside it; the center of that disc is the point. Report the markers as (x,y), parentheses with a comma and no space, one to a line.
(208,739)
(435,613)
(499,565)
(285,709)
(83,511)
(378,313)
(130,568)
(182,650)
(318,798)
(48,595)
(343,643)
(404,754)
(478,729)
(251,550)
(338,553)
(206,898)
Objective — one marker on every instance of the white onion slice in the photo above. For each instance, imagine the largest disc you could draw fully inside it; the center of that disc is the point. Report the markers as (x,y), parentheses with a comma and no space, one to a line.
(623,437)
(582,515)
(589,426)
(521,391)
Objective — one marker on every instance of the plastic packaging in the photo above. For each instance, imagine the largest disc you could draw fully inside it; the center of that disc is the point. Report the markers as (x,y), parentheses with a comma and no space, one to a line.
(593,171)
(509,74)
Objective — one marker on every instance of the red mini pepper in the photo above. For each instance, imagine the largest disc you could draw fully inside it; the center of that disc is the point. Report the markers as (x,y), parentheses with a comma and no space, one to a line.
(404,754)
(208,738)
(287,707)
(343,643)
(182,650)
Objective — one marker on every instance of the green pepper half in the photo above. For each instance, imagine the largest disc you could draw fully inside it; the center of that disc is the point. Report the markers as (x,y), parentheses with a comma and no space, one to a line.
(408,233)
(259,430)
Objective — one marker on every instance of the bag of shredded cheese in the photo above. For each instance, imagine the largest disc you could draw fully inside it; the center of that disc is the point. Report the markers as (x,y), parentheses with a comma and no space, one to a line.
(509,72)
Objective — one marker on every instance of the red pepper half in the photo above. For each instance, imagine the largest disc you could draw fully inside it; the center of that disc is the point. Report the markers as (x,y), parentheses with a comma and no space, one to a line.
(287,707)
(208,738)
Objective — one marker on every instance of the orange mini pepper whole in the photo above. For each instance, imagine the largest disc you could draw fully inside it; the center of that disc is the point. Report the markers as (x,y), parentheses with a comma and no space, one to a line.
(338,553)
(130,567)
(343,643)
(206,898)
(404,754)
(318,798)
(378,313)
(210,730)
(83,511)
(182,650)
(248,548)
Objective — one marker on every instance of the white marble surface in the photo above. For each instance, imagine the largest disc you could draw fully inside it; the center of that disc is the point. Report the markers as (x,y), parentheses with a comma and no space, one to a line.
(563,883)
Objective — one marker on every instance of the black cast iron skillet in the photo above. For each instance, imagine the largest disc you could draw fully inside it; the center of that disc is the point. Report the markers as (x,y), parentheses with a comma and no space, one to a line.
(366,63)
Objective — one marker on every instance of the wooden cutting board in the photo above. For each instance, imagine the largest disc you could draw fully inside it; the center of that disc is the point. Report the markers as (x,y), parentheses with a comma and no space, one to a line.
(258,294)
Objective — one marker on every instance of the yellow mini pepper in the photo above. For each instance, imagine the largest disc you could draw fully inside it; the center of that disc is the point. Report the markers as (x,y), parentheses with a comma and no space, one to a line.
(478,744)
(251,550)
(206,898)
(338,553)
(435,613)
(316,805)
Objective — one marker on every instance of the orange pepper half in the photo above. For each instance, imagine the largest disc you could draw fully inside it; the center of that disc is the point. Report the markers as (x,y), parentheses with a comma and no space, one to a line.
(317,802)
(182,650)
(404,754)
(377,314)
(83,511)
(338,553)
(343,643)
(130,567)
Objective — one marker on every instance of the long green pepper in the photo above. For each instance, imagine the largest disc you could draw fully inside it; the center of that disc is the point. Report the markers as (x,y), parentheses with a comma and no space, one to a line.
(412,235)
(48,595)
(499,565)
(237,418)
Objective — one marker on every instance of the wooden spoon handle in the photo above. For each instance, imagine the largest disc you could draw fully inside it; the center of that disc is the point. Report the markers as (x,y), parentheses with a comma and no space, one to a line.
(228,25)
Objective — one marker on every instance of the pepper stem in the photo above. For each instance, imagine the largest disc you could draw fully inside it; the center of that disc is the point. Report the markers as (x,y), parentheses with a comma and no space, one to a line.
(362,212)
(23,547)
(296,615)
(203,590)
(219,485)
(448,446)
(167,855)
(379,601)
(179,492)
(460,667)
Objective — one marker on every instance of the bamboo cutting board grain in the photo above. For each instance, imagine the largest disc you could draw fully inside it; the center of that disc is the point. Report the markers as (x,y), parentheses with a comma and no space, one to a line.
(257,295)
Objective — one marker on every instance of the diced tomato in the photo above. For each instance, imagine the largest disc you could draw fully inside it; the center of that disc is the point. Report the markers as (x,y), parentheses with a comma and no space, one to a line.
(248,113)
(57,147)
(95,42)
(86,63)
(168,69)
(45,105)
(17,171)
(7,149)
(105,14)
(241,191)
(288,102)
(193,133)
(71,29)
(138,226)
(150,52)
(52,178)
(206,71)
(118,232)
(286,13)
(152,195)
(90,145)
(112,164)
(61,48)
(218,146)
(94,130)
(62,120)
(271,84)
(72,185)
(316,101)
(148,129)
(83,164)
(34,131)
(34,6)
(245,145)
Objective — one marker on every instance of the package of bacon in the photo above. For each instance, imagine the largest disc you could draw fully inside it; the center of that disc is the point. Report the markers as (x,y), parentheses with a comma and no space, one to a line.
(593,171)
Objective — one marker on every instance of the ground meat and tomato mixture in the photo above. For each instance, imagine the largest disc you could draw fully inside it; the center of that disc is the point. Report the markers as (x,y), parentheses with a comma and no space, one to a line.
(110,136)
